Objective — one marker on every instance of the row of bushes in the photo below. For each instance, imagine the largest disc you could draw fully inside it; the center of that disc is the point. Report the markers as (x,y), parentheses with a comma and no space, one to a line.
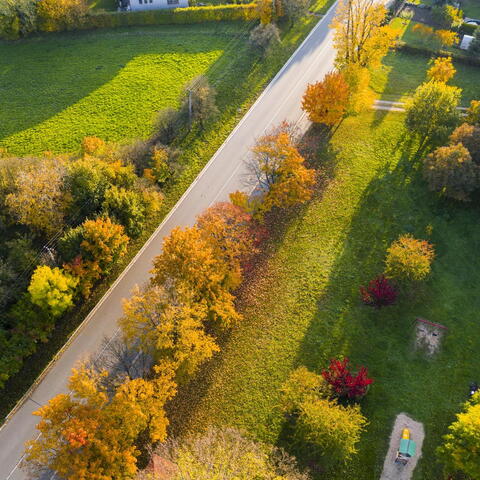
(188,15)
(457,55)
(12,22)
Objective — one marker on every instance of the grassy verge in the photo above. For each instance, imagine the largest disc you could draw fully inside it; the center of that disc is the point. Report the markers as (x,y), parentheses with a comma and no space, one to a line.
(402,72)
(238,86)
(303,306)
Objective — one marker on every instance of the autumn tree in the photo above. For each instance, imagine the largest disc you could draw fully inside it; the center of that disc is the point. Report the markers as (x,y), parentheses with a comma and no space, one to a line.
(448,16)
(473,112)
(227,454)
(459,451)
(302,385)
(446,38)
(38,200)
(227,228)
(425,33)
(326,101)
(52,289)
(168,326)
(343,382)
(361,35)
(380,292)
(89,434)
(432,112)
(361,97)
(188,262)
(280,172)
(17,18)
(442,70)
(329,428)
(264,37)
(451,171)
(469,136)
(57,15)
(409,258)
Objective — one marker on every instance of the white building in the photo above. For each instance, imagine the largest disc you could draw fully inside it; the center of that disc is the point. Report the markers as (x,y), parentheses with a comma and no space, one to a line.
(157,4)
(466,41)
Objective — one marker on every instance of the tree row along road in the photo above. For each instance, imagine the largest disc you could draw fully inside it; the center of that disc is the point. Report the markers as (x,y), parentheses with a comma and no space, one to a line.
(225,173)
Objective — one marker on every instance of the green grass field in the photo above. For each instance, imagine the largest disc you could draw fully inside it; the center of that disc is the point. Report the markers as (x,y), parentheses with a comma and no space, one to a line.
(471,8)
(402,72)
(59,88)
(304,308)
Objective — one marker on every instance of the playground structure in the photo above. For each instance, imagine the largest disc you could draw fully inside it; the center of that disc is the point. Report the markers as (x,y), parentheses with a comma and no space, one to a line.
(407,448)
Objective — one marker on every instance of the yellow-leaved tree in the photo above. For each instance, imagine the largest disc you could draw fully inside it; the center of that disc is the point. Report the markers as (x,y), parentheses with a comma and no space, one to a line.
(168,326)
(361,35)
(442,70)
(280,171)
(189,263)
(88,434)
(38,200)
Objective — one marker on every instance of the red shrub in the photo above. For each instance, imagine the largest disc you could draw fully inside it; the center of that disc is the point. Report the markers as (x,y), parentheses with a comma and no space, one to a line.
(343,382)
(379,293)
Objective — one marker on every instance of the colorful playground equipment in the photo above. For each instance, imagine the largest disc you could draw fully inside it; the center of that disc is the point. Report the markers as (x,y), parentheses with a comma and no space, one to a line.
(406,449)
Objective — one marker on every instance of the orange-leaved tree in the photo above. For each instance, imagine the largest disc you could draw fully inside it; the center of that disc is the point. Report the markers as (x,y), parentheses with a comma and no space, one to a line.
(280,171)
(326,101)
(188,262)
(91,435)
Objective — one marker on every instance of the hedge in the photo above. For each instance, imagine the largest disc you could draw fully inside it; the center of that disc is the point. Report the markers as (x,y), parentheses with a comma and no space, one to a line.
(188,15)
(458,56)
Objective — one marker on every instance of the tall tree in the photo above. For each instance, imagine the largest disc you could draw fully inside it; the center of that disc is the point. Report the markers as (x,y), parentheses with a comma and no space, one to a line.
(88,435)
(361,36)
(432,112)
(189,263)
(38,200)
(169,327)
(280,171)
(326,101)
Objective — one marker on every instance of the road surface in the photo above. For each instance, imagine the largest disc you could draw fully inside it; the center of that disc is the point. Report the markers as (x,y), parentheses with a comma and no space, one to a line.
(224,173)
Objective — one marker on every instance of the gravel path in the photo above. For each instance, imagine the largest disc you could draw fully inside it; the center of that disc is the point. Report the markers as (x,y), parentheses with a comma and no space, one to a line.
(392,470)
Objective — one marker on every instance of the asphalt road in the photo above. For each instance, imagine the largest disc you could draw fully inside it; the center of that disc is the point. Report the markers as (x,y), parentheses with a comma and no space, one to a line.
(224,173)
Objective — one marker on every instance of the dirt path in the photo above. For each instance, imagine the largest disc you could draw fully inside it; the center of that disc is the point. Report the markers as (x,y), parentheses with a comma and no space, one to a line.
(391,470)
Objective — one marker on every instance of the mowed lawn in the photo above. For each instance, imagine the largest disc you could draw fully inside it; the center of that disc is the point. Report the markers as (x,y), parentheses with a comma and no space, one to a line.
(303,307)
(56,89)
(402,72)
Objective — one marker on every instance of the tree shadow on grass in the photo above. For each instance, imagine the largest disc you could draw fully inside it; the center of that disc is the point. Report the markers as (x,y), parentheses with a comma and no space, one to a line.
(396,202)
(45,75)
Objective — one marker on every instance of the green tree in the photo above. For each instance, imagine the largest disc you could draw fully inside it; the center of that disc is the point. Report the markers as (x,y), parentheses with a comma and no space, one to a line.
(448,16)
(474,47)
(295,9)
(199,100)
(451,171)
(127,207)
(17,18)
(461,445)
(432,113)
(409,258)
(52,289)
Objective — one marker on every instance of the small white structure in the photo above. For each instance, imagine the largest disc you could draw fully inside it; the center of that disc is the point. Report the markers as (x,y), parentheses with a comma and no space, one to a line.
(156,4)
(466,41)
